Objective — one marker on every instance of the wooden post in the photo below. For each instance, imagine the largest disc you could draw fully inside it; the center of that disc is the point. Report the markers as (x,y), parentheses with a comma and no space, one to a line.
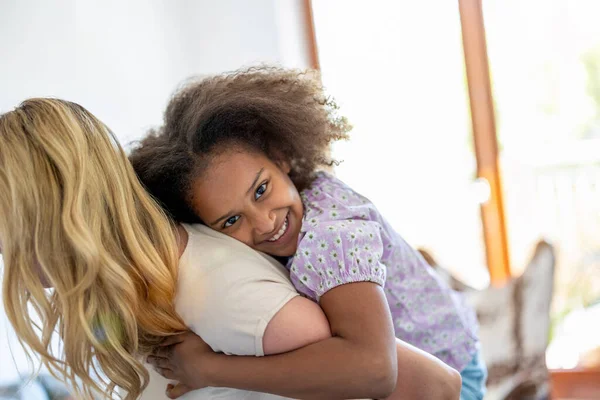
(311,37)
(484,135)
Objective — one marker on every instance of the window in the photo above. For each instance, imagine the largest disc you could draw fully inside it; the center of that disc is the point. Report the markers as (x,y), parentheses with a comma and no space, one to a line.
(397,70)
(545,67)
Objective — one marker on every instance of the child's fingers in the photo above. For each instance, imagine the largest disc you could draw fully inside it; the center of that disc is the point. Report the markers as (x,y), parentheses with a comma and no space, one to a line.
(162,351)
(176,391)
(171,340)
(159,362)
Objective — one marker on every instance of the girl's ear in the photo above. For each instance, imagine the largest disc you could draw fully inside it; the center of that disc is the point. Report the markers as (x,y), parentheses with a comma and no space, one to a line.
(284,166)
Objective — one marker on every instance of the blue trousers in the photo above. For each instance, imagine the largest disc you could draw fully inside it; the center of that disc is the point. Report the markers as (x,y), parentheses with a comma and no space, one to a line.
(473,376)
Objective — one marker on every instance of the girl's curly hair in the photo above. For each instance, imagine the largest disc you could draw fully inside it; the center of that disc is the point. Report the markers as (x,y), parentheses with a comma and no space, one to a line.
(282,113)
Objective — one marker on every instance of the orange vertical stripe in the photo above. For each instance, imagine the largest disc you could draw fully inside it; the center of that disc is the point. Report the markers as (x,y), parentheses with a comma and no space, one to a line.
(485,138)
(311,37)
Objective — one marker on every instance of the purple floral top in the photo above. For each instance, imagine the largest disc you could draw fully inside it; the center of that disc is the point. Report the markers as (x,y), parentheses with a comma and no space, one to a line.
(345,239)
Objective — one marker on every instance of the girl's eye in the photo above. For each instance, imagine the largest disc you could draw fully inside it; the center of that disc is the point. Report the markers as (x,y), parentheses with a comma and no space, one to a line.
(260,191)
(231,221)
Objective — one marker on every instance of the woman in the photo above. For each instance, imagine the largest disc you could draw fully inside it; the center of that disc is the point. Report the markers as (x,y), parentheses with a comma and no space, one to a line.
(74,217)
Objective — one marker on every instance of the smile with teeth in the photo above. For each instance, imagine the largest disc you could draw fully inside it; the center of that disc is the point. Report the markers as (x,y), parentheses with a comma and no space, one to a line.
(281,231)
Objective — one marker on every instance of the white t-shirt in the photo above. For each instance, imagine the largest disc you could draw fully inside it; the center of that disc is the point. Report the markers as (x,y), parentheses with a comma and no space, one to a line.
(227,293)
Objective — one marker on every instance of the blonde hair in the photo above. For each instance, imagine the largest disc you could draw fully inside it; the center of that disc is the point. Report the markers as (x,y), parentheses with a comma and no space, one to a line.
(73,212)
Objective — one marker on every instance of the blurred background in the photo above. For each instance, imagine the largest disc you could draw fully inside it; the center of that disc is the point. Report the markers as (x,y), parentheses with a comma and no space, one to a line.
(476,131)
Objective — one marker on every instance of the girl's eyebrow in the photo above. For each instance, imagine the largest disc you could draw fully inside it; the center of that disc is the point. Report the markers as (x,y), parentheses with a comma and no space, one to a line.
(249,190)
(221,218)
(255,180)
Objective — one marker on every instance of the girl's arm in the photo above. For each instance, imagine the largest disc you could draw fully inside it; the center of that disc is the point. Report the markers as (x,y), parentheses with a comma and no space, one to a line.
(360,360)
(299,323)
(423,376)
(420,375)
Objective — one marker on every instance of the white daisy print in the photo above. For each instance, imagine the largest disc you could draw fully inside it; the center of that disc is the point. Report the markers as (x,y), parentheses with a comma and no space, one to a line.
(313,222)
(321,259)
(323,245)
(316,192)
(310,236)
(408,326)
(330,272)
(333,206)
(351,236)
(337,242)
(331,228)
(309,266)
(334,254)
(354,270)
(333,214)
(305,279)
(306,253)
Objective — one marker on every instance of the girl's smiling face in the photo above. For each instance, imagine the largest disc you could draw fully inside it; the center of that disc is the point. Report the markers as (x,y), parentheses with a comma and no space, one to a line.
(245,195)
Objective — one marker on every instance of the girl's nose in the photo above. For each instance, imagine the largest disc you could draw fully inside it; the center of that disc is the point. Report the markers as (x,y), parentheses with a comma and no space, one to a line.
(264,223)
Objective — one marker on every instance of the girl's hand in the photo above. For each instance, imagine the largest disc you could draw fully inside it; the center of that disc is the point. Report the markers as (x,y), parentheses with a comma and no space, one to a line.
(183,358)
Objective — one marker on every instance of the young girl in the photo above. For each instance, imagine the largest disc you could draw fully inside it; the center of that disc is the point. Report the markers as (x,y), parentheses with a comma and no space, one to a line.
(259,138)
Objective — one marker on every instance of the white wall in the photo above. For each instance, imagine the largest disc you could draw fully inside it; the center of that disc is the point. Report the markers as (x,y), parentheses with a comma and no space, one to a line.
(122,60)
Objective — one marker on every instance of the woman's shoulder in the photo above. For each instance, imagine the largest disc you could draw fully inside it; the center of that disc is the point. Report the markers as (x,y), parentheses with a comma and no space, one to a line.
(227,292)
(208,250)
